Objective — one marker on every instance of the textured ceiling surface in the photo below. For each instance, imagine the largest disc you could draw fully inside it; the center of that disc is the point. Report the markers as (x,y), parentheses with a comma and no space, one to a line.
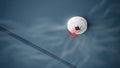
(33,34)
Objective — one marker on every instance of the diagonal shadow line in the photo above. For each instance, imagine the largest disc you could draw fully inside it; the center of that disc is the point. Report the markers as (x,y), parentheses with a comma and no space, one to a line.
(37,47)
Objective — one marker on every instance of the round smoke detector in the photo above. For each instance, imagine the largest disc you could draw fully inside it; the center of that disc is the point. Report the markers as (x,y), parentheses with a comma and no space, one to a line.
(77,25)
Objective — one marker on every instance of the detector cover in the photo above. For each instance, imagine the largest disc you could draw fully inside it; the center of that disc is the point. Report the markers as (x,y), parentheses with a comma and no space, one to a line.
(77,25)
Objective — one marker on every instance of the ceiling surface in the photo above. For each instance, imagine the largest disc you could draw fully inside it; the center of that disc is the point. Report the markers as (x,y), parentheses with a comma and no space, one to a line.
(33,34)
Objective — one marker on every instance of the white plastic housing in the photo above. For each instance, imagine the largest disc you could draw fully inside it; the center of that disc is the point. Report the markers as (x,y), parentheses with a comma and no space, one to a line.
(77,24)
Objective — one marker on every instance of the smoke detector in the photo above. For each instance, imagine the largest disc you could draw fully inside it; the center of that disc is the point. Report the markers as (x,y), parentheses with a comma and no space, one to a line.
(77,25)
